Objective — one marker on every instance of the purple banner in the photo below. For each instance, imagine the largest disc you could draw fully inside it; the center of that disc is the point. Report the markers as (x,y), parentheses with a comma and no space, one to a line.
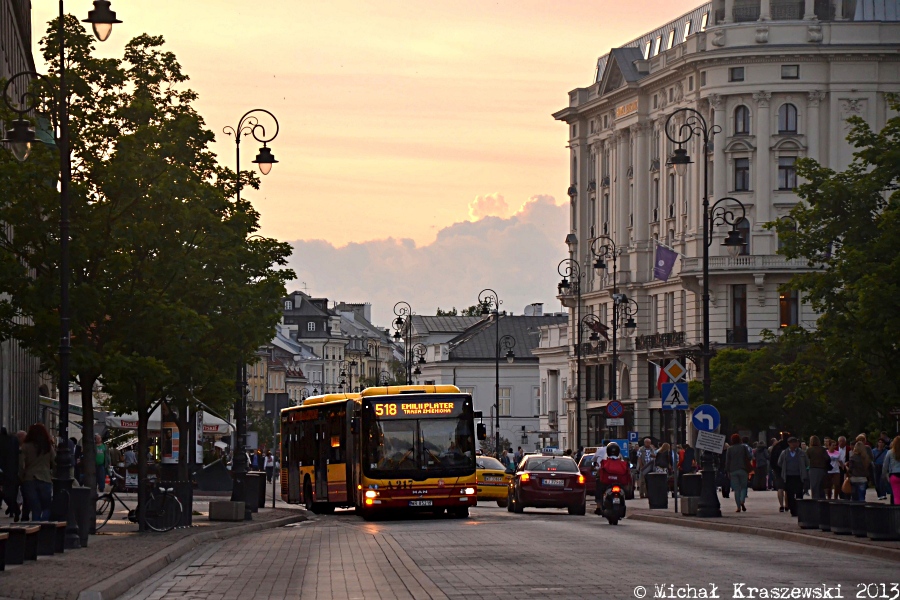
(664,262)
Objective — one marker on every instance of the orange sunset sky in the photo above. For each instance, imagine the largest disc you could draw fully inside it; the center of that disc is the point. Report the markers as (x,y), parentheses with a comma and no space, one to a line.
(413,133)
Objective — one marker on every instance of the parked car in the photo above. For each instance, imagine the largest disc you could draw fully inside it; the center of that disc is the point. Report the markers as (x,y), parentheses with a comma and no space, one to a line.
(492,479)
(548,482)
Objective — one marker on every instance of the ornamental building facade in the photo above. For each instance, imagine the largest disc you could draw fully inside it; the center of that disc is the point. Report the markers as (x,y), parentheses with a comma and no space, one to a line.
(778,80)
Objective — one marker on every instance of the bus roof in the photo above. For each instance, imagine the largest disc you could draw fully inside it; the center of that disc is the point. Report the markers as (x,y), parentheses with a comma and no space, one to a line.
(409,389)
(324,399)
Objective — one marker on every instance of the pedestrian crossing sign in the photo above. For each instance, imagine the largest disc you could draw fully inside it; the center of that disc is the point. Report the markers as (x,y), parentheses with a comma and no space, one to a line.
(675,396)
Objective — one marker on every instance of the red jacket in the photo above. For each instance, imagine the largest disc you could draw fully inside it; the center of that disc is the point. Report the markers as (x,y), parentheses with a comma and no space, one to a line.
(614,472)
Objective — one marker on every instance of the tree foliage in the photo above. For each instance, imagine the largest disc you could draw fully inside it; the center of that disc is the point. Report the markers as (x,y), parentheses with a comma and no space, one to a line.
(472,311)
(171,289)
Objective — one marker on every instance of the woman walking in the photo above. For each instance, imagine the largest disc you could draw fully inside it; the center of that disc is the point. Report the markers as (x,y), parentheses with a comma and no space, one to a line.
(882,485)
(819,465)
(891,470)
(858,468)
(833,481)
(737,464)
(36,463)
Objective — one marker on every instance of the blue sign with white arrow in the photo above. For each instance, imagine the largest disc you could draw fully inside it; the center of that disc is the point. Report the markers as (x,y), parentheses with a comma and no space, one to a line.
(705,418)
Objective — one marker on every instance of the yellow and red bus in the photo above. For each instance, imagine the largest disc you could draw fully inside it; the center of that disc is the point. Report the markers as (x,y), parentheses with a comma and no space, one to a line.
(387,448)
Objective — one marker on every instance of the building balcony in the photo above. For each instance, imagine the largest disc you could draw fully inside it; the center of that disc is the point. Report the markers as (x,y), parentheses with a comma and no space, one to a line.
(750,263)
(659,340)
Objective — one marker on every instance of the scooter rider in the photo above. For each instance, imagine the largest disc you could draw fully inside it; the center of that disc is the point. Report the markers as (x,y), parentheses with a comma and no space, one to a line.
(614,470)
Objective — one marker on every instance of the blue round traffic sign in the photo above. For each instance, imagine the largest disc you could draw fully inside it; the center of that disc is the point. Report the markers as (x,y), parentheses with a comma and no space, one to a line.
(706,418)
(615,409)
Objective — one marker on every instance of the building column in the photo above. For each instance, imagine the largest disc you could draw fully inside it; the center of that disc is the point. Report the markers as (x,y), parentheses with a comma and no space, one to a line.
(838,7)
(729,11)
(622,208)
(765,12)
(763,157)
(809,10)
(812,123)
(642,198)
(720,183)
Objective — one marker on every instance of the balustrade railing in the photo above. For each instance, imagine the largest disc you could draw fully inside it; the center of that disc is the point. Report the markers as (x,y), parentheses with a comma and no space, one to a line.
(659,340)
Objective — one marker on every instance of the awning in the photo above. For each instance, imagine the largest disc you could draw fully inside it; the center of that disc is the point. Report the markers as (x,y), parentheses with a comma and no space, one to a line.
(211,423)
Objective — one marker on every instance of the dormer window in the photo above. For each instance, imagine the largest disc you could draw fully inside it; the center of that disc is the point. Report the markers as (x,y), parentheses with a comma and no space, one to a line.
(687,31)
(657,44)
(671,40)
(288,305)
(311,326)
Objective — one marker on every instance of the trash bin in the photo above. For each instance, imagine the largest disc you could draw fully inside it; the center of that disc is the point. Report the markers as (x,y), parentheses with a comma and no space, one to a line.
(184,491)
(251,490)
(808,514)
(262,488)
(691,485)
(657,491)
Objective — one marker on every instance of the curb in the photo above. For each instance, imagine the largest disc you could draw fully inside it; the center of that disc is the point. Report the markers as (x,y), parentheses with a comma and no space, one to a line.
(777,534)
(116,585)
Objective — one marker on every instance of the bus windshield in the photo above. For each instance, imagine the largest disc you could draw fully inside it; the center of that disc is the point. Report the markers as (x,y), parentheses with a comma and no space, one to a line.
(419,447)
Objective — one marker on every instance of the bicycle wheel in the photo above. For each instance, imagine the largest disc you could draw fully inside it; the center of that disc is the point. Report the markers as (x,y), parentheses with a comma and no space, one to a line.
(105,506)
(163,512)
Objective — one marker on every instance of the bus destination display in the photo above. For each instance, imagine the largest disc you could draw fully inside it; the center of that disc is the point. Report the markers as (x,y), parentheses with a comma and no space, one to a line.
(414,408)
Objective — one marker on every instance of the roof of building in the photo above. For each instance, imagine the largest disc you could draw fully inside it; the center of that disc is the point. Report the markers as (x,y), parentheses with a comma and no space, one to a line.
(479,342)
(425,325)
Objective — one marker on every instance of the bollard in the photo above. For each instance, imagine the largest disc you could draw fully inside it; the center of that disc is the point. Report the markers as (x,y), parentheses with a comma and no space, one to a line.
(82,512)
(184,491)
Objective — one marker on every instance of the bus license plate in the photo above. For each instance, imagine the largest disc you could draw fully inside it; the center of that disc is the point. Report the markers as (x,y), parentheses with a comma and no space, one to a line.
(554,482)
(420,502)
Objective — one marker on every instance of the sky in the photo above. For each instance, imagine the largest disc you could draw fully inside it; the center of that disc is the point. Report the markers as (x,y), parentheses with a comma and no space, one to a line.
(418,159)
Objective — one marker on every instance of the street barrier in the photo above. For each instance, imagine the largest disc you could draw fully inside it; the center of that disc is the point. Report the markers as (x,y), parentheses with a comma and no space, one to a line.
(657,490)
(808,514)
(824,515)
(883,522)
(840,517)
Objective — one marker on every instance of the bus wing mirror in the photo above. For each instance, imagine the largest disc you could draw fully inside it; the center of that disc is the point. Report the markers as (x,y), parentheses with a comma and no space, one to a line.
(354,425)
(482,432)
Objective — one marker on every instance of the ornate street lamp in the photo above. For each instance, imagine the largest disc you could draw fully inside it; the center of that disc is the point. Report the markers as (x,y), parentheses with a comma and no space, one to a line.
(247,125)
(20,137)
(490,306)
(695,125)
(570,269)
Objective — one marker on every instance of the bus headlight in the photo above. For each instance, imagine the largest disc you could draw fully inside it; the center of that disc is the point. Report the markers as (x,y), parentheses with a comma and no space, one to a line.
(371,493)
(470,491)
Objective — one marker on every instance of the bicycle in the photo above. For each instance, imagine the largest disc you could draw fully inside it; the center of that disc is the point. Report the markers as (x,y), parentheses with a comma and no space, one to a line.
(163,508)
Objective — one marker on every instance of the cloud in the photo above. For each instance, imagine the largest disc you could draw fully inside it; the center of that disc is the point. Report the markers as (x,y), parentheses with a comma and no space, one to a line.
(490,205)
(516,256)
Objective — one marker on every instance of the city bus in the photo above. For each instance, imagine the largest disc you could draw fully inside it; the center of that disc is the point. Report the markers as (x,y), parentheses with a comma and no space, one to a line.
(409,448)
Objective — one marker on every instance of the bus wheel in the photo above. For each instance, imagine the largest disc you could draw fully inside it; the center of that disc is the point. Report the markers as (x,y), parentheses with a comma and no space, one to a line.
(307,495)
(439,511)
(461,513)
(325,508)
(366,513)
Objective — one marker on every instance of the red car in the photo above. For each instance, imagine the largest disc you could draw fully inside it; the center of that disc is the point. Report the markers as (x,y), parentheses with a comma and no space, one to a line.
(589,470)
(548,482)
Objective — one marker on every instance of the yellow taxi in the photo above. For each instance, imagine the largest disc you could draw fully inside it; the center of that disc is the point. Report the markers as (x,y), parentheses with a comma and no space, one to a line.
(492,479)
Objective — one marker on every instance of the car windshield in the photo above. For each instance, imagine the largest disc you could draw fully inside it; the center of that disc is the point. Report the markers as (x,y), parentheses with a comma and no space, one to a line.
(419,446)
(488,462)
(562,465)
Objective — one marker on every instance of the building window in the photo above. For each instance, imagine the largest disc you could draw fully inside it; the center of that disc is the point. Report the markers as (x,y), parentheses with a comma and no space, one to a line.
(288,305)
(742,174)
(657,44)
(670,311)
(671,39)
(655,100)
(787,172)
(702,78)
(654,313)
(704,21)
(670,194)
(743,227)
(790,221)
(655,216)
(789,305)
(736,74)
(505,394)
(687,32)
(739,314)
(605,215)
(742,120)
(311,326)
(790,71)
(647,47)
(787,118)
(690,79)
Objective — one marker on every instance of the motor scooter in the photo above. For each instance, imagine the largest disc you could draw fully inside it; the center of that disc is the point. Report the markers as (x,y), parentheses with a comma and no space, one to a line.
(613,506)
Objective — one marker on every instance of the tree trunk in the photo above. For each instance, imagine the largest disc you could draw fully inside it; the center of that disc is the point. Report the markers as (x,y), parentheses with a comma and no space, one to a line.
(143,447)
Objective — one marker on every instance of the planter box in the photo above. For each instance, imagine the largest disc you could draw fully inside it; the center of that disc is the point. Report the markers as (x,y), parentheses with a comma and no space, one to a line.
(824,514)
(808,514)
(224,510)
(858,519)
(840,518)
(883,522)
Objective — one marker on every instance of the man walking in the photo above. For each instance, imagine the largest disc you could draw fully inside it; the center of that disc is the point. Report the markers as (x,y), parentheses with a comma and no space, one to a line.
(777,479)
(646,462)
(269,466)
(794,466)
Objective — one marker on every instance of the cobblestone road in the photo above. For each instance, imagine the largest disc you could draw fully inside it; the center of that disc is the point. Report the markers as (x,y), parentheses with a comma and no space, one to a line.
(495,554)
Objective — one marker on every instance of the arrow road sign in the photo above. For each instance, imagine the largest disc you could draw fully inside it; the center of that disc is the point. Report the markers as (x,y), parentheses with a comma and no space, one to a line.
(675,396)
(705,418)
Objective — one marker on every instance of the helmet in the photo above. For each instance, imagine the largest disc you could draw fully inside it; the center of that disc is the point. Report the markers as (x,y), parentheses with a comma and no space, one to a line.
(612,449)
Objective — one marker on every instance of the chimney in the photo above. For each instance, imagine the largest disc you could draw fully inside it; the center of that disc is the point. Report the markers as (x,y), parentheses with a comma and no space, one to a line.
(538,308)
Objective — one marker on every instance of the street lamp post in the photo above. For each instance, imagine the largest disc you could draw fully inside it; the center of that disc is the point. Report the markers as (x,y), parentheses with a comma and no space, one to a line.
(403,331)
(694,124)
(569,268)
(247,125)
(347,371)
(490,305)
(21,137)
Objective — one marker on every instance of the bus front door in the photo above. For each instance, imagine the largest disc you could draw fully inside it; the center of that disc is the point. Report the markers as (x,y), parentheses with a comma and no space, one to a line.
(322,463)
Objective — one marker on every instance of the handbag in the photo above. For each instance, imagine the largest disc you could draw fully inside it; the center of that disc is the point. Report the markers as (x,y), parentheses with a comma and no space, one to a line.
(847,487)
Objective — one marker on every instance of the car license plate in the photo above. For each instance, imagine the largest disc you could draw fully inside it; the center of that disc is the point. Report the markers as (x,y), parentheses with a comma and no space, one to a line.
(617,501)
(555,482)
(494,478)
(420,502)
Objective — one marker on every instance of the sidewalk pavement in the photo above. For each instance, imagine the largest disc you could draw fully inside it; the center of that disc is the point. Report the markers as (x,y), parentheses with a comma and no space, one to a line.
(119,557)
(763,519)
